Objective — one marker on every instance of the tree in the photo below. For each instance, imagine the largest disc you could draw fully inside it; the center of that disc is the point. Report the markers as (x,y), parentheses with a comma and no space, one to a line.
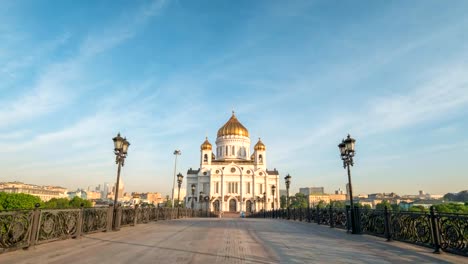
(322,204)
(383,204)
(417,208)
(338,204)
(283,202)
(14,201)
(76,202)
(168,203)
(451,208)
(299,201)
(59,203)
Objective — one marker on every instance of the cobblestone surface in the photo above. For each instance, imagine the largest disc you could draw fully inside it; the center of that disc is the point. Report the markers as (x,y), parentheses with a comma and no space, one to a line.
(227,241)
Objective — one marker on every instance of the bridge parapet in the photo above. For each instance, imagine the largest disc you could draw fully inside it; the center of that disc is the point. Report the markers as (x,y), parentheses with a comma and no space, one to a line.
(440,231)
(24,228)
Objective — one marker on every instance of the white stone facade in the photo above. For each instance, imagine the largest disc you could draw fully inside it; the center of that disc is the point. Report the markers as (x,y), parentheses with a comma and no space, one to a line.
(230,178)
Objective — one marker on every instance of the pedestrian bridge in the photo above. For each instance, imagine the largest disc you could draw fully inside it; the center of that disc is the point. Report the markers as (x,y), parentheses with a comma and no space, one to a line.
(227,240)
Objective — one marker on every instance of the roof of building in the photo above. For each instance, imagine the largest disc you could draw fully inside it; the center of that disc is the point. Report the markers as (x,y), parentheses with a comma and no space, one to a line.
(191,171)
(233,127)
(272,172)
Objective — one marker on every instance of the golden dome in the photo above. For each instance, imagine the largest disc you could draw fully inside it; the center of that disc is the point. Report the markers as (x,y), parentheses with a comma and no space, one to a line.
(206,145)
(260,145)
(233,127)
(252,157)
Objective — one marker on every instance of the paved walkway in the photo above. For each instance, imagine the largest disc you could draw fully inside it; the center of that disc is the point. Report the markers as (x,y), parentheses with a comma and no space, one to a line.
(227,241)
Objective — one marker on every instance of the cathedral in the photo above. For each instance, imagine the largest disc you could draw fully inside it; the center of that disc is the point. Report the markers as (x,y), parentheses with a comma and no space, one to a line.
(231,178)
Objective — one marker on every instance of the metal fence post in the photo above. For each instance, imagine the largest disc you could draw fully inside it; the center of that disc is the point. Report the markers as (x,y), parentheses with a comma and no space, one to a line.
(435,231)
(318,214)
(136,212)
(357,220)
(117,217)
(110,218)
(388,233)
(79,225)
(35,225)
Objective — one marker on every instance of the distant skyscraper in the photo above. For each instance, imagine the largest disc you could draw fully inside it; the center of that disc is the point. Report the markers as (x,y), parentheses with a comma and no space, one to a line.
(105,190)
(312,190)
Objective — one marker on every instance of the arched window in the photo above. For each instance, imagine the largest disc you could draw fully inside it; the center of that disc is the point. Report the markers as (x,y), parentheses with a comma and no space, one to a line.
(227,150)
(205,158)
(260,158)
(233,152)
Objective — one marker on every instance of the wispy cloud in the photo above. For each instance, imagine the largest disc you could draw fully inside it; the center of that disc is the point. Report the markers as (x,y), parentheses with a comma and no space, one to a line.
(59,83)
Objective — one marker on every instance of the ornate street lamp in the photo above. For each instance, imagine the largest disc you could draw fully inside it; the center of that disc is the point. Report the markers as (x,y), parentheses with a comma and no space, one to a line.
(120,150)
(180,177)
(347,153)
(264,204)
(207,199)
(287,180)
(273,192)
(193,194)
(200,202)
(176,153)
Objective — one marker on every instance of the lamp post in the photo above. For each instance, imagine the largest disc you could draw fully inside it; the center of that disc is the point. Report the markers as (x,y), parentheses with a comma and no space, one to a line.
(287,180)
(180,177)
(193,194)
(176,153)
(207,199)
(347,153)
(120,150)
(273,192)
(264,204)
(200,202)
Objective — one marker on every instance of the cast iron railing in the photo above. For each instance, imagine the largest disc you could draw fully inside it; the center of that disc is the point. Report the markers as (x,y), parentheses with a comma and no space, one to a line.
(26,228)
(440,231)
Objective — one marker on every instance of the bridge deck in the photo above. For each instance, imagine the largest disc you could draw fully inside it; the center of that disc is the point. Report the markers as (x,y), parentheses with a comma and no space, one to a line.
(227,241)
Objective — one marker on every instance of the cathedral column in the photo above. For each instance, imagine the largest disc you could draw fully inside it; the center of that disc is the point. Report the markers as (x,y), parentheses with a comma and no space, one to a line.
(241,193)
(222,193)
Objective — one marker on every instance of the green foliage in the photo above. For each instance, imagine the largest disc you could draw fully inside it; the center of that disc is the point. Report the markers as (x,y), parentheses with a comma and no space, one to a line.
(299,201)
(452,208)
(168,203)
(395,208)
(383,204)
(321,204)
(14,201)
(59,203)
(338,204)
(417,208)
(76,202)
(283,201)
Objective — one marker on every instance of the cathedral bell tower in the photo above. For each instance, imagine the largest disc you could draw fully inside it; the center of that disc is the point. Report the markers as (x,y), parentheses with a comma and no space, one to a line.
(206,153)
(260,154)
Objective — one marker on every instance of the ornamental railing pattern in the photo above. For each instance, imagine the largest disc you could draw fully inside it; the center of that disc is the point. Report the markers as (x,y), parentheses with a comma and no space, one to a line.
(453,231)
(58,224)
(440,231)
(26,228)
(95,219)
(15,229)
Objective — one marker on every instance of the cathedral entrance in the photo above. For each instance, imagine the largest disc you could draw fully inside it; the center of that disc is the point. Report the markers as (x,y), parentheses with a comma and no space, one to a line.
(248,207)
(232,205)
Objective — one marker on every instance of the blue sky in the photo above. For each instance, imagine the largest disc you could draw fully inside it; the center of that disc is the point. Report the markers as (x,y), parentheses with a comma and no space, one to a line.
(299,74)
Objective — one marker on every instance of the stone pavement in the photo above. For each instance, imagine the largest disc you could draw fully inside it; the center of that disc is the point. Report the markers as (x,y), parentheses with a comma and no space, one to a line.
(207,241)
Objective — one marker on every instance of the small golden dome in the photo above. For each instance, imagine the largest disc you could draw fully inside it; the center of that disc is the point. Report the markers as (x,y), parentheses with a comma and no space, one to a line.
(206,145)
(233,127)
(252,157)
(260,145)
